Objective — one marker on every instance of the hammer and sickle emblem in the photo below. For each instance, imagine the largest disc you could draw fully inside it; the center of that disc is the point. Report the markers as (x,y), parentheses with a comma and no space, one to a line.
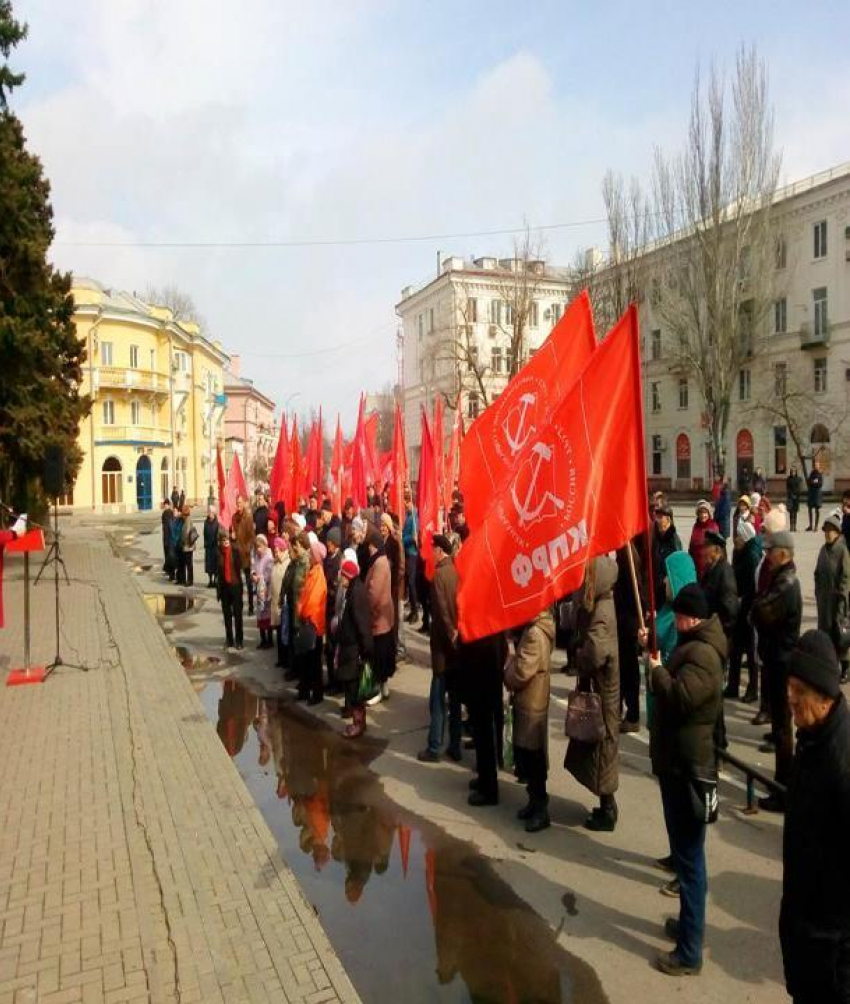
(518,436)
(541,453)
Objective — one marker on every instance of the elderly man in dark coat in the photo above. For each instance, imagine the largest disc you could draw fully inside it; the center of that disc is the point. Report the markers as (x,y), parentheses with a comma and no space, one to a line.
(832,583)
(597,659)
(814,921)
(444,645)
(688,699)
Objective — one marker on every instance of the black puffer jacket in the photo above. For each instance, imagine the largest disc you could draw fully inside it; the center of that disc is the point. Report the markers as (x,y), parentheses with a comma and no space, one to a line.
(688,697)
(776,614)
(354,636)
(814,922)
(721,591)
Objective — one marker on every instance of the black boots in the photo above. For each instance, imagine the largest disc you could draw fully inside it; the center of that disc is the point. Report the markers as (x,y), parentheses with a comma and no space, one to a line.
(535,814)
(603,819)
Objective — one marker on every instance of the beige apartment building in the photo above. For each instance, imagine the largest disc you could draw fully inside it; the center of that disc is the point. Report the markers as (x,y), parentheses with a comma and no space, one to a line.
(804,344)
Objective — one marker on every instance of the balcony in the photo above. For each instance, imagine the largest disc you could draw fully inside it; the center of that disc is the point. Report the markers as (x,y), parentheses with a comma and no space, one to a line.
(811,339)
(136,435)
(117,377)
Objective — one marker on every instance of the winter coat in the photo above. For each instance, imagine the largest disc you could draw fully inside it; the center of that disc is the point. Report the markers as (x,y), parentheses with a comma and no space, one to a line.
(235,587)
(444,617)
(688,698)
(395,556)
(697,539)
(814,920)
(663,545)
(278,572)
(527,676)
(814,488)
(776,614)
(718,584)
(745,561)
(624,594)
(354,632)
(261,570)
(793,491)
(261,520)
(595,764)
(832,583)
(723,510)
(244,526)
(331,566)
(167,520)
(186,528)
(379,592)
(293,584)
(759,484)
(313,602)
(211,531)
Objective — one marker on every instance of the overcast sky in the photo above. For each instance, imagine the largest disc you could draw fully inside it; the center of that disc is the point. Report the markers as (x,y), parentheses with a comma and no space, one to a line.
(206,120)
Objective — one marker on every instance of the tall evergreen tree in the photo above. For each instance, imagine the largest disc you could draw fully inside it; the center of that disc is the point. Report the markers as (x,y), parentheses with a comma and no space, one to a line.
(40,355)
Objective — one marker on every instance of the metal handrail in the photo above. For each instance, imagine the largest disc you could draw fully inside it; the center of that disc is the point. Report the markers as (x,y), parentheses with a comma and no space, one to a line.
(752,775)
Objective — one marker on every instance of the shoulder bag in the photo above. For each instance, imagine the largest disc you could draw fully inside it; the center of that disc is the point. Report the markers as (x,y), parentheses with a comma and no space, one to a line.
(704,801)
(584,721)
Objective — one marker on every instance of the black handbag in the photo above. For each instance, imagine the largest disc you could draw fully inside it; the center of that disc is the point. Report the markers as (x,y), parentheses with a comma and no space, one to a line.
(704,801)
(305,639)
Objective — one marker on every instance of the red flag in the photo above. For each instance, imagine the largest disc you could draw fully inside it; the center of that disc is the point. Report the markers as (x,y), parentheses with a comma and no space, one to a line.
(578,489)
(318,463)
(295,468)
(226,501)
(426,497)
(453,460)
(238,477)
(373,467)
(278,482)
(359,461)
(399,471)
(438,438)
(497,436)
(336,469)
(219,473)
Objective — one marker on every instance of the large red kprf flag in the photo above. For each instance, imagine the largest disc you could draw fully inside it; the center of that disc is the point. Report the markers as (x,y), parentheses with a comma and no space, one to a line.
(238,478)
(496,438)
(399,471)
(278,482)
(336,470)
(578,489)
(452,461)
(360,461)
(427,501)
(293,499)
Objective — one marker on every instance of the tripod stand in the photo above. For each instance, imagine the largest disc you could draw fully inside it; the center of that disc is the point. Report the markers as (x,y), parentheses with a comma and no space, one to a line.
(54,557)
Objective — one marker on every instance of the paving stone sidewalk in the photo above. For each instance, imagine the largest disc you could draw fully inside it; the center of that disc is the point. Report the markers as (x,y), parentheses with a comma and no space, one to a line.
(134,865)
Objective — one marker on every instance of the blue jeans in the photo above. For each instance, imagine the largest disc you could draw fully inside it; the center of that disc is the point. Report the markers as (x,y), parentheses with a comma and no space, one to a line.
(687,843)
(437,707)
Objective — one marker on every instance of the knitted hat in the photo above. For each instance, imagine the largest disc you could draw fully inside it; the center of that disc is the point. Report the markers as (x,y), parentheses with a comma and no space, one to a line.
(814,661)
(350,569)
(334,536)
(702,504)
(262,538)
(318,550)
(691,601)
(358,524)
(746,531)
(776,520)
(299,520)
(349,554)
(279,544)
(781,538)
(832,521)
(755,498)
(714,539)
(748,502)
(443,542)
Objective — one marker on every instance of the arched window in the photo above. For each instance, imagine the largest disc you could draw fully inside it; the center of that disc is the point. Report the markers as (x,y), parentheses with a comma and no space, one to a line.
(821,451)
(110,483)
(820,435)
(683,457)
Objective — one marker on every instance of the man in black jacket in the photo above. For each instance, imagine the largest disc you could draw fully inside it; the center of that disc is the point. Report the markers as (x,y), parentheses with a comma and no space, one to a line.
(776,614)
(814,921)
(718,582)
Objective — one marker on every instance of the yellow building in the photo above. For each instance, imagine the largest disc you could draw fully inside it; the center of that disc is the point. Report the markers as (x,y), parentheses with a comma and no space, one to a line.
(158,402)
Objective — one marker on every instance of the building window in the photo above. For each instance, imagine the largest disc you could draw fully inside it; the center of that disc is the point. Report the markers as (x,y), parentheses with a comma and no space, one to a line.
(471,310)
(421,323)
(495,311)
(556,313)
(781,251)
(819,368)
(780,378)
(430,320)
(746,327)
(780,316)
(109,412)
(134,357)
(683,458)
(657,450)
(532,314)
(472,404)
(780,449)
(683,394)
(153,360)
(496,360)
(509,314)
(820,239)
(164,487)
(153,415)
(655,344)
(743,385)
(821,317)
(135,412)
(110,481)
(106,353)
(655,390)
(473,357)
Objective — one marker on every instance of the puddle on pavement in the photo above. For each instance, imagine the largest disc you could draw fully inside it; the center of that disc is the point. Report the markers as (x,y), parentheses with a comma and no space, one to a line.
(169,604)
(191,661)
(414,914)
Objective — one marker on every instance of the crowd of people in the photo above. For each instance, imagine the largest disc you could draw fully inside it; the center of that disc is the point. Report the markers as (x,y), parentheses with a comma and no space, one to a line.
(329,592)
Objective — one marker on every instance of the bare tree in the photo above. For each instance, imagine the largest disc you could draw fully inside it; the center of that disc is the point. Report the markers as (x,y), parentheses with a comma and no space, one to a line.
(788,400)
(177,300)
(714,254)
